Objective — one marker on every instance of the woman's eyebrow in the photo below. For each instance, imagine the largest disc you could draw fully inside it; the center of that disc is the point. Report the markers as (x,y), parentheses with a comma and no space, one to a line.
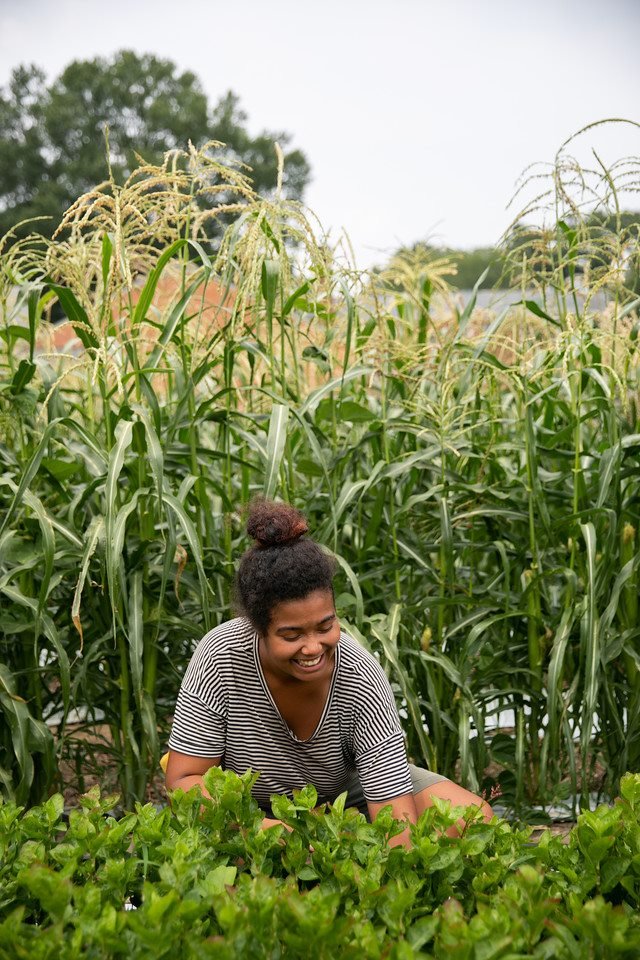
(326,619)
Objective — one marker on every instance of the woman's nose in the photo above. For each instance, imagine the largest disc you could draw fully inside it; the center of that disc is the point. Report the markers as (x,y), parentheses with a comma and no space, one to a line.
(312,647)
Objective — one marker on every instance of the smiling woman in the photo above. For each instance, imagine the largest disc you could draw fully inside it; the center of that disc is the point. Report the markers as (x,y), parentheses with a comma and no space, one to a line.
(285,691)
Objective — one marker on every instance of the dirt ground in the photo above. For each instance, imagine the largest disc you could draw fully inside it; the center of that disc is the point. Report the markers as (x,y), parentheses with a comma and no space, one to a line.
(88,761)
(557,830)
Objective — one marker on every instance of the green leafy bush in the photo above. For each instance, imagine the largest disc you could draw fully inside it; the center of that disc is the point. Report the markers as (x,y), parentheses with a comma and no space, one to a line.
(201,879)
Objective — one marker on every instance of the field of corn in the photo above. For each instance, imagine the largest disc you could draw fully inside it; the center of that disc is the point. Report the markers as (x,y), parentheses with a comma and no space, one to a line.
(476,473)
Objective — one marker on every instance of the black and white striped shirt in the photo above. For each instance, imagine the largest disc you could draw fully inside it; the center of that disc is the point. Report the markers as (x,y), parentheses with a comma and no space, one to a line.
(225,709)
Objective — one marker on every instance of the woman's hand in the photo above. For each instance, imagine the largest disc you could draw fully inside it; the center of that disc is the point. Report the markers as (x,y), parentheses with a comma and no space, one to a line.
(402,808)
(269,822)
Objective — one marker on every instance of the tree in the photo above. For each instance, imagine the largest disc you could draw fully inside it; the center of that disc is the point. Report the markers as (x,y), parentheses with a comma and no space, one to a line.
(52,145)
(471,264)
(467,266)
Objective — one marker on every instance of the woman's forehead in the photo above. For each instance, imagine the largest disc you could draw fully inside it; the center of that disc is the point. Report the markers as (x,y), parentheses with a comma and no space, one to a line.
(313,608)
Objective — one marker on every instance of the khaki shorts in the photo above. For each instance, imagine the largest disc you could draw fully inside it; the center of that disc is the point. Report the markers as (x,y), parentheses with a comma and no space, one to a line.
(420,779)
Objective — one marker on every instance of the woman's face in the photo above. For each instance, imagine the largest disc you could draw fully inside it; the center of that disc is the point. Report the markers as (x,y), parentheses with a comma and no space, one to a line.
(302,636)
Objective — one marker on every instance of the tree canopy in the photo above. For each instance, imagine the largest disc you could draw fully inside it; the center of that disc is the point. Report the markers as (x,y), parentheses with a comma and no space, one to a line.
(52,143)
(605,238)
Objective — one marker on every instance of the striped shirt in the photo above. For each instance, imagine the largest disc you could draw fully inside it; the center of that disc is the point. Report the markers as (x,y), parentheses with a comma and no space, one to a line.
(225,709)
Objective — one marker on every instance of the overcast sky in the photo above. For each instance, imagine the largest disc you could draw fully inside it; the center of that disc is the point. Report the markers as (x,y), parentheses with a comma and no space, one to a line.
(417,115)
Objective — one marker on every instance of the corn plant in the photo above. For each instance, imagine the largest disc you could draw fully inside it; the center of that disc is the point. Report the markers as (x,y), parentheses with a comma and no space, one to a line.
(475,475)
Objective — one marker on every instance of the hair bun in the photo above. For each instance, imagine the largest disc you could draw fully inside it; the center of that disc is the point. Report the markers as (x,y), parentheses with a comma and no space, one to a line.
(272,524)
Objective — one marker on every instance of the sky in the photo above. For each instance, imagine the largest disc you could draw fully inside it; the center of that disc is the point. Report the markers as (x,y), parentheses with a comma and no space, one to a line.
(417,116)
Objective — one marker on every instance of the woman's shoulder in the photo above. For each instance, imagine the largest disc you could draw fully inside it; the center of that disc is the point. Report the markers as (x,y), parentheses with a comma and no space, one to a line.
(356,660)
(231,638)
(362,684)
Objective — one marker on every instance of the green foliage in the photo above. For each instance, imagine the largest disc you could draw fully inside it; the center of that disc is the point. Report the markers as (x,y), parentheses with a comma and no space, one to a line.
(52,136)
(201,878)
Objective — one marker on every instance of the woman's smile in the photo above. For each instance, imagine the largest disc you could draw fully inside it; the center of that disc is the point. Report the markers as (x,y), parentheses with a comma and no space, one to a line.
(308,664)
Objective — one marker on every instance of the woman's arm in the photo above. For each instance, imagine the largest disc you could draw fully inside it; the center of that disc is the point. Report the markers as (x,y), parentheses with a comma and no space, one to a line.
(403,808)
(411,806)
(185,771)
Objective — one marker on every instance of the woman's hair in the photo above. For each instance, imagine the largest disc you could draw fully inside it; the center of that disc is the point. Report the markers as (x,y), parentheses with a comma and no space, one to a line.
(283,564)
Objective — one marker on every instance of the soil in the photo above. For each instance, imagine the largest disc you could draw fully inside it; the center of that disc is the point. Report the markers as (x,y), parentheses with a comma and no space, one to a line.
(557,830)
(88,761)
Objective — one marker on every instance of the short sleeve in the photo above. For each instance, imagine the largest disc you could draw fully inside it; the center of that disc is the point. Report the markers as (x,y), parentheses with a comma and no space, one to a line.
(197,729)
(199,722)
(378,742)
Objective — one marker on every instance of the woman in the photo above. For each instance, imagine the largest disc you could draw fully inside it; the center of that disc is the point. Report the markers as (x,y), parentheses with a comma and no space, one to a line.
(283,690)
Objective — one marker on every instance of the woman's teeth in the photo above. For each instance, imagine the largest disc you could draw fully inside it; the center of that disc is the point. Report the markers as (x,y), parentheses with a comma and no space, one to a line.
(309,663)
